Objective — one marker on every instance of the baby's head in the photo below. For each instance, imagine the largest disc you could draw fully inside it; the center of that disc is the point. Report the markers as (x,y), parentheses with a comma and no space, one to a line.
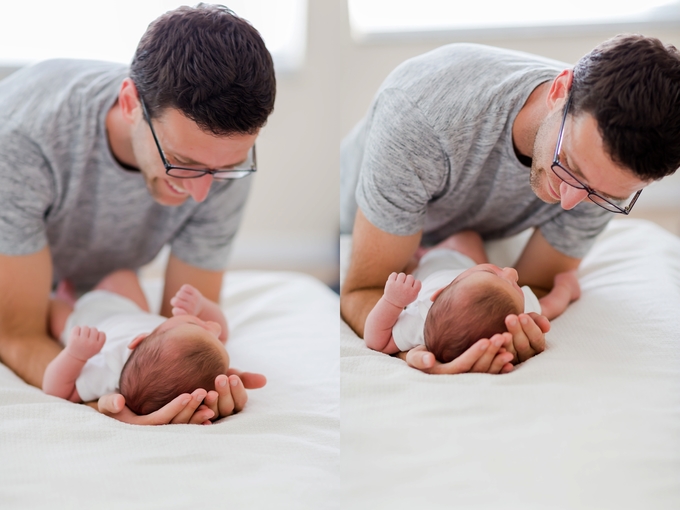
(182,354)
(471,307)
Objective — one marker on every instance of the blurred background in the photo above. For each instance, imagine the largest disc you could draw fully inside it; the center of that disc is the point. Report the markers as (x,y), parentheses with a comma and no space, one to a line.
(330,57)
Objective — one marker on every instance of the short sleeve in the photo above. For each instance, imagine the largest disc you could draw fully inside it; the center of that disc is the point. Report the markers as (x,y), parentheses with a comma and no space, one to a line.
(574,232)
(206,238)
(27,193)
(408,330)
(403,166)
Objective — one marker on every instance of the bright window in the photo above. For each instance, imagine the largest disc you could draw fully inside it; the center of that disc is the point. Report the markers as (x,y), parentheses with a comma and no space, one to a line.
(376,19)
(42,29)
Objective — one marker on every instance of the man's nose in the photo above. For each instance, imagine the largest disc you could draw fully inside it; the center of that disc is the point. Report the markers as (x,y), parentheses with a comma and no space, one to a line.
(199,188)
(570,196)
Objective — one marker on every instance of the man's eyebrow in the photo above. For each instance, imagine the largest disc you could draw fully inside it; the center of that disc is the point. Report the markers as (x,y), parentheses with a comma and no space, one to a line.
(575,170)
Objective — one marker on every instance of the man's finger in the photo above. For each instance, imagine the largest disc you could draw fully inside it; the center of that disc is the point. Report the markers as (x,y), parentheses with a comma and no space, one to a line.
(533,333)
(519,338)
(225,401)
(185,414)
(202,414)
(420,358)
(541,321)
(251,381)
(238,393)
(111,404)
(465,361)
(483,364)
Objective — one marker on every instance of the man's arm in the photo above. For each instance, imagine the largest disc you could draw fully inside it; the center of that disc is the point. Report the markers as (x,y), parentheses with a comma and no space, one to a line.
(25,345)
(540,262)
(375,255)
(565,291)
(537,267)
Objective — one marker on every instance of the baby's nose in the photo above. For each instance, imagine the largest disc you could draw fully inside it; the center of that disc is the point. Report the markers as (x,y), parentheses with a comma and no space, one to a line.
(511,272)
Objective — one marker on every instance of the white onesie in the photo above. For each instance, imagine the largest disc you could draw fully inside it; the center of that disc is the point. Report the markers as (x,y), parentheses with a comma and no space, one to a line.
(437,269)
(122,320)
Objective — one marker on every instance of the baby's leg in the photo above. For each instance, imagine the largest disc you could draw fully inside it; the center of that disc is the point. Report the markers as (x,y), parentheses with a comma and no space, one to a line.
(124,282)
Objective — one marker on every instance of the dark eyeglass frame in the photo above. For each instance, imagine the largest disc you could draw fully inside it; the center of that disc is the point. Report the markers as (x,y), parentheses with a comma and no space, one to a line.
(593,195)
(179,172)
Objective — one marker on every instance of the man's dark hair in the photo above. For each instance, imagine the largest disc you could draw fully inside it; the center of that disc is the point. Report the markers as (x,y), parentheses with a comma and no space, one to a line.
(208,63)
(631,85)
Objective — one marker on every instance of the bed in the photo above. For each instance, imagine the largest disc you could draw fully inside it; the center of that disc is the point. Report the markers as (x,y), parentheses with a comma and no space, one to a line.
(281,452)
(591,423)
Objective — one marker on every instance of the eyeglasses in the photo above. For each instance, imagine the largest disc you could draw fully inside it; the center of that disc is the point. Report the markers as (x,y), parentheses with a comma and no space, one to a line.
(186,172)
(574,182)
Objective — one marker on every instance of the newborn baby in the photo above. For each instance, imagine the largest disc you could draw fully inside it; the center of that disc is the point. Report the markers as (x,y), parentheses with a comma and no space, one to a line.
(459,301)
(115,344)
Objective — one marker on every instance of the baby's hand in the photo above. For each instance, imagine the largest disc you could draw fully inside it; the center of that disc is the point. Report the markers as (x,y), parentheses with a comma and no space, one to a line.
(84,342)
(401,289)
(187,301)
(569,280)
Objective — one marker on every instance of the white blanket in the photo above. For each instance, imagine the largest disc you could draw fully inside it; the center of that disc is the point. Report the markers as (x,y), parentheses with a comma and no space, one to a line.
(591,423)
(282,451)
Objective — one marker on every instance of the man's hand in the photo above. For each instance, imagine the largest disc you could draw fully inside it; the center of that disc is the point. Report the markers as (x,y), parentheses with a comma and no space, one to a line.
(199,407)
(528,335)
(401,289)
(484,356)
(84,342)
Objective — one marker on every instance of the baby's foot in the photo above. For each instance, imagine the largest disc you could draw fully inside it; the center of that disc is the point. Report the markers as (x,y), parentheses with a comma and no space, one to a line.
(65,292)
(84,342)
(187,301)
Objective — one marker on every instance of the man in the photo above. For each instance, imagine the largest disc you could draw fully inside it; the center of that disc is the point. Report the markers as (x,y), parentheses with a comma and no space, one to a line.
(473,137)
(102,165)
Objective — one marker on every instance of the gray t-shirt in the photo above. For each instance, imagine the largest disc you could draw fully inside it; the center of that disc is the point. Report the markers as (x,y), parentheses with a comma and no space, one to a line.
(435,152)
(61,186)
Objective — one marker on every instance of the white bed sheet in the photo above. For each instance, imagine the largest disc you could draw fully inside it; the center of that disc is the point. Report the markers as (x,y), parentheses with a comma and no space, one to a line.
(591,423)
(282,451)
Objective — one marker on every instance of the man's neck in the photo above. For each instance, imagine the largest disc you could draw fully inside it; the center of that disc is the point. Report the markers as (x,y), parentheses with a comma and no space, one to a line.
(529,119)
(118,133)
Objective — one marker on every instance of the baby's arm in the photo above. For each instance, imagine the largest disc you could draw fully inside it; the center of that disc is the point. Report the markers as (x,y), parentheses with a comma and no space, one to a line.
(189,301)
(565,290)
(61,374)
(400,290)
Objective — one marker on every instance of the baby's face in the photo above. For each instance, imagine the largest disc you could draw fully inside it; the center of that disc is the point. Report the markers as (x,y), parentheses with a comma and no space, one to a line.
(189,326)
(504,279)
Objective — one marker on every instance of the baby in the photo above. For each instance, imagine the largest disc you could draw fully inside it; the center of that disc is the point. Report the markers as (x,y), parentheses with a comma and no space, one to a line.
(462,299)
(115,344)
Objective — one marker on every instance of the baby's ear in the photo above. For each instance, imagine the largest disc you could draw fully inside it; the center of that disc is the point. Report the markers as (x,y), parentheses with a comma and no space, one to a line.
(436,294)
(137,340)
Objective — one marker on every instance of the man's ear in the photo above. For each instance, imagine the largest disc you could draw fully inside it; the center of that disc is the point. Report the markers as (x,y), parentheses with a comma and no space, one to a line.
(137,340)
(559,88)
(128,99)
(436,294)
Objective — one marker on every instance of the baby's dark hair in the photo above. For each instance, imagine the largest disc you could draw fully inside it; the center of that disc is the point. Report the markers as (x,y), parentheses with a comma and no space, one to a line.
(156,371)
(458,319)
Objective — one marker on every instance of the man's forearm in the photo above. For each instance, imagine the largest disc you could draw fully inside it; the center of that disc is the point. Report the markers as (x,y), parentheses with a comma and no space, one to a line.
(28,356)
(356,305)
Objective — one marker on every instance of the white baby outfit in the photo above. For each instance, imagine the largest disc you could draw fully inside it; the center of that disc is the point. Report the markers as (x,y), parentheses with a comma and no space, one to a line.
(436,270)
(122,320)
